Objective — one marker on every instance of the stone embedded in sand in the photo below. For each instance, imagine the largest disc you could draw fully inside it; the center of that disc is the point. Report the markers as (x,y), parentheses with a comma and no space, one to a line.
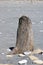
(22,62)
(21,55)
(27,53)
(9,56)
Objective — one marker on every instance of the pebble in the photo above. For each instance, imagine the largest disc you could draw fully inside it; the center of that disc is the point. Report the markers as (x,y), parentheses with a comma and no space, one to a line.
(21,55)
(27,53)
(22,62)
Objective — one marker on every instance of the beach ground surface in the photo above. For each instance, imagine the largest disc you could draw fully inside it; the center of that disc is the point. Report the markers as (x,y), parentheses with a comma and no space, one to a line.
(10,12)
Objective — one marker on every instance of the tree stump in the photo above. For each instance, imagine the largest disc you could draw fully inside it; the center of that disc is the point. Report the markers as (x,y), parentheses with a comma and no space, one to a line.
(24,41)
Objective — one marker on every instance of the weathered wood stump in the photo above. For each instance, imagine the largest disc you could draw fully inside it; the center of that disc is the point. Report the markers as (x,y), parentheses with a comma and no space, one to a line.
(24,41)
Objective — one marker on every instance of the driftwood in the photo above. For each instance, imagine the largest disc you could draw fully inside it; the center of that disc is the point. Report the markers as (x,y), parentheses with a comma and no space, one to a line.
(24,41)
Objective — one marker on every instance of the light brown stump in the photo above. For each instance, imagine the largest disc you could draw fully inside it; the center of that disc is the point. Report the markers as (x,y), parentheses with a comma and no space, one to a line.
(24,41)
